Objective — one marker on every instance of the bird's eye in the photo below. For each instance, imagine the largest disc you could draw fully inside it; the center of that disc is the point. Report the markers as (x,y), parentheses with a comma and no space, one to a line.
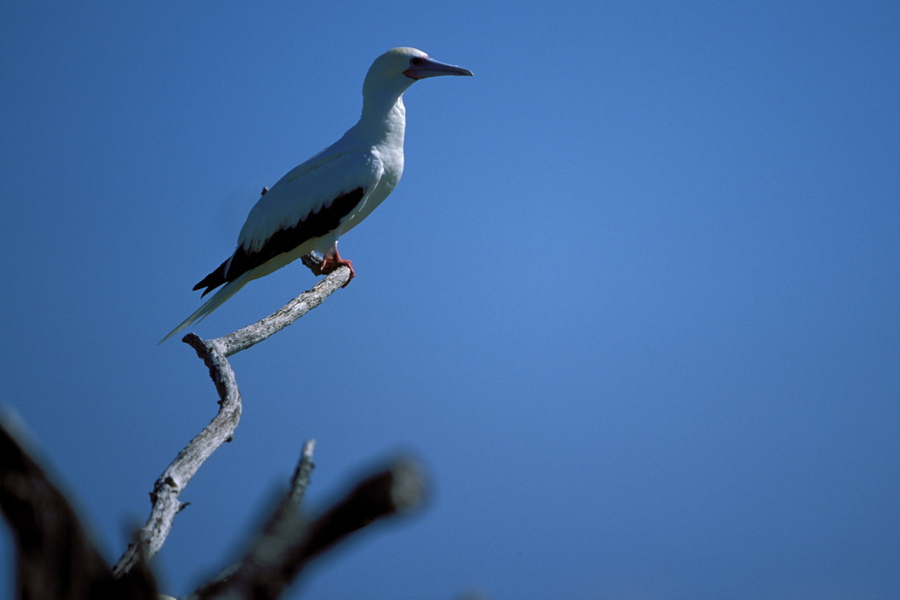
(416,61)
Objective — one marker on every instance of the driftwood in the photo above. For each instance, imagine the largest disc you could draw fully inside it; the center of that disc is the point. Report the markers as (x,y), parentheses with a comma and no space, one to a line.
(56,558)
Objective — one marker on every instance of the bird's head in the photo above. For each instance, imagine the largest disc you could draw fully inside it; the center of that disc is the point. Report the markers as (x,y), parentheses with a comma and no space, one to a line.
(399,68)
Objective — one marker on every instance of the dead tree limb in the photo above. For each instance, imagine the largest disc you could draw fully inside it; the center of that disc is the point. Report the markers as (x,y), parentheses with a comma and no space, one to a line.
(58,560)
(287,544)
(214,353)
(169,485)
(253,334)
(56,557)
(272,537)
(399,488)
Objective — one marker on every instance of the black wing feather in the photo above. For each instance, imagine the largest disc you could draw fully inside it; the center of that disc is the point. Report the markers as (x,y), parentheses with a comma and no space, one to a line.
(318,224)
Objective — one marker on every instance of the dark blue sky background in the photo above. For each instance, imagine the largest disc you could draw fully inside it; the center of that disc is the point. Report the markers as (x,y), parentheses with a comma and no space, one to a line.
(634,304)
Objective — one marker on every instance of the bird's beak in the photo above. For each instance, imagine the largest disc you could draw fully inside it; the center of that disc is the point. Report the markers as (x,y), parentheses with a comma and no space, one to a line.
(432,68)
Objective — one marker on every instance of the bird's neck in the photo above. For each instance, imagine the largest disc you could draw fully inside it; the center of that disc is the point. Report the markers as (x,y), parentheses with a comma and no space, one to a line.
(383,119)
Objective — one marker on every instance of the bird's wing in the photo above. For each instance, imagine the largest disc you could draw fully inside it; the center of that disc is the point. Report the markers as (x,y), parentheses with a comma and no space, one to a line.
(218,299)
(305,194)
(311,202)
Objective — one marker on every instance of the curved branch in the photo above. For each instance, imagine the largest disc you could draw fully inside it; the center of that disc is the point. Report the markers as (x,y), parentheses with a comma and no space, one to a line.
(170,484)
(57,559)
(214,353)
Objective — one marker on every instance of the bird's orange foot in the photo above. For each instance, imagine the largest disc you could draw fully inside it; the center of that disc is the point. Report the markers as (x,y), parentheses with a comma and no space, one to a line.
(332,261)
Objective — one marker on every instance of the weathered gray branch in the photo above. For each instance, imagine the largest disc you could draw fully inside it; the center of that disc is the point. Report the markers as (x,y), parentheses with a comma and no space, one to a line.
(300,480)
(293,310)
(214,353)
(169,485)
(58,560)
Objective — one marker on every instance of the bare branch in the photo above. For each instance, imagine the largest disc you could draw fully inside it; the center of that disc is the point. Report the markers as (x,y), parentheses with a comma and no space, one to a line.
(58,560)
(302,475)
(56,557)
(273,537)
(170,484)
(293,310)
(214,353)
(287,545)
(398,489)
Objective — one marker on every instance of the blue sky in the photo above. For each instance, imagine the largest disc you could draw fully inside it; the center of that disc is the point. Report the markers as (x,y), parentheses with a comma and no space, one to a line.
(634,303)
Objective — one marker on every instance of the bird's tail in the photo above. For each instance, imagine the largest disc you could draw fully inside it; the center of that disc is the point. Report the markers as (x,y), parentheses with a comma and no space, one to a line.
(215,301)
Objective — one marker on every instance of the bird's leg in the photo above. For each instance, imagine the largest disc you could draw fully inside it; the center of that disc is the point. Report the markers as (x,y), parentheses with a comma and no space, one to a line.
(332,261)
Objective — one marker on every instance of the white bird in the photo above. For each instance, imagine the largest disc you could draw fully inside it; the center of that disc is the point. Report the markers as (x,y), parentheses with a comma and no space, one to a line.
(308,209)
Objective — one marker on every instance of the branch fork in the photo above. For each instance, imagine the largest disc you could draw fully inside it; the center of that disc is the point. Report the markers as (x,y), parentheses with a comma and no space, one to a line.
(58,560)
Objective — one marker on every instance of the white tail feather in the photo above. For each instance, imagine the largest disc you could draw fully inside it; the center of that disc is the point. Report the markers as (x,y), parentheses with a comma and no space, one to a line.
(218,299)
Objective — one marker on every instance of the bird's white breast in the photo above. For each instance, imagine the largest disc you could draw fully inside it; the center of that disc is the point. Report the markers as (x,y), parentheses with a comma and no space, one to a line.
(385,140)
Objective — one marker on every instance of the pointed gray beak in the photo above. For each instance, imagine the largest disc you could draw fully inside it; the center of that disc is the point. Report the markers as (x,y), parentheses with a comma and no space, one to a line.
(427,67)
